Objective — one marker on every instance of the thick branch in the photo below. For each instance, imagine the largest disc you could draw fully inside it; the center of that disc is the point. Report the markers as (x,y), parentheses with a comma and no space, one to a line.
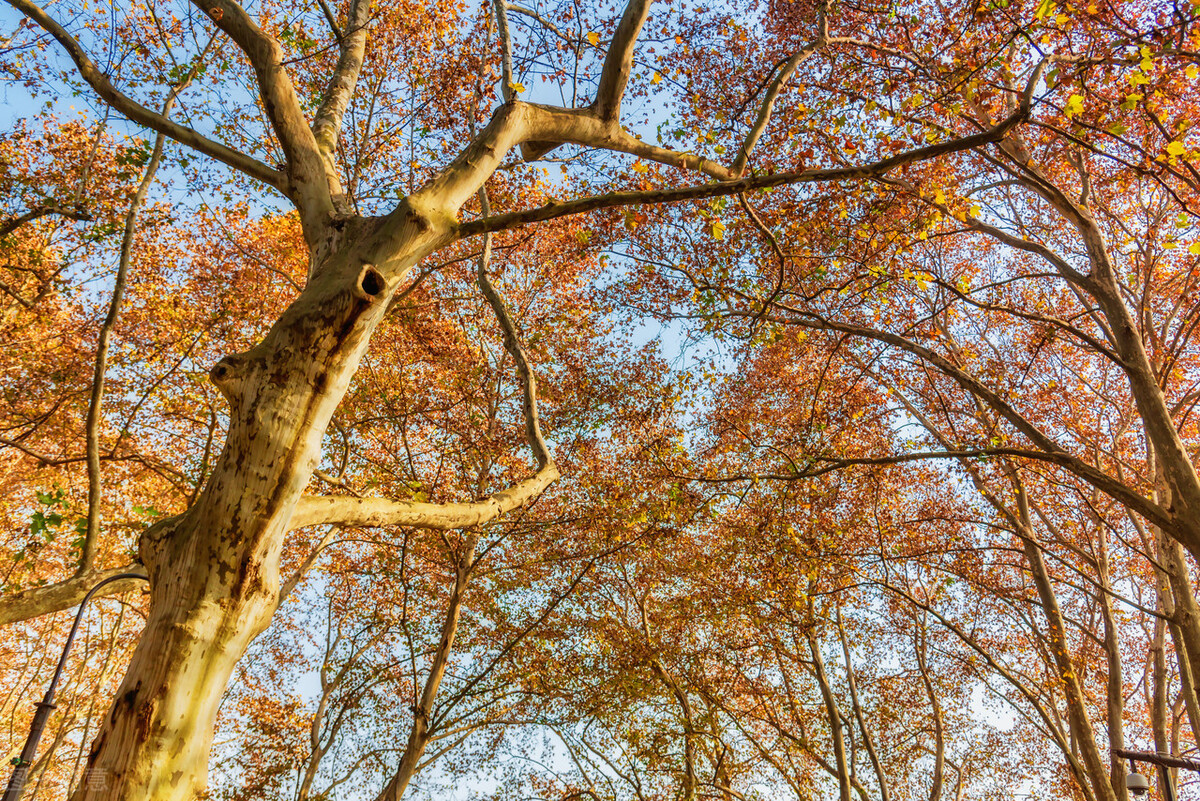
(311,182)
(619,61)
(138,113)
(350,511)
(327,124)
(516,123)
(50,598)
(550,211)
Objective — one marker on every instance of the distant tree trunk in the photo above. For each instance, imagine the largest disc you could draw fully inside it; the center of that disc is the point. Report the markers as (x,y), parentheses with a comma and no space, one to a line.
(1083,734)
(1115,682)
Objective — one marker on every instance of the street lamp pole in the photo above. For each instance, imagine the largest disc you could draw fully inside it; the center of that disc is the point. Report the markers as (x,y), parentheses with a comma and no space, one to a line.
(17,783)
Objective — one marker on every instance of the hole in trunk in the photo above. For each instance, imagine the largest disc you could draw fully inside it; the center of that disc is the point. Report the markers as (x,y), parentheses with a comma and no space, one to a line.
(370,282)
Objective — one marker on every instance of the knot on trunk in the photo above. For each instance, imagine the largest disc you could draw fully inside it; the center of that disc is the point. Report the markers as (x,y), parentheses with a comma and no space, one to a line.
(370,284)
(227,375)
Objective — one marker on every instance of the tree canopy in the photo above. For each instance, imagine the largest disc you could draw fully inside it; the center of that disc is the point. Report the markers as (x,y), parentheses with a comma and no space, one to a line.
(792,399)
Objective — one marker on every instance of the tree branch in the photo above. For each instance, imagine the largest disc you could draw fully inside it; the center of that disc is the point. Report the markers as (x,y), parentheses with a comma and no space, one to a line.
(512,343)
(138,113)
(350,511)
(44,600)
(1052,451)
(311,182)
(619,61)
(10,225)
(781,78)
(550,211)
(327,124)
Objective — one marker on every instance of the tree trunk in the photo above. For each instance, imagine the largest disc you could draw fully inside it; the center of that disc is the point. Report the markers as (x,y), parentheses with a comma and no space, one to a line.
(1083,736)
(214,573)
(1115,683)
(420,734)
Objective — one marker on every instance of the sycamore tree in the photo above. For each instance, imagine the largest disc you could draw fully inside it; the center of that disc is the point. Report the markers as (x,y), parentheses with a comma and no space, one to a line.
(357,159)
(1029,311)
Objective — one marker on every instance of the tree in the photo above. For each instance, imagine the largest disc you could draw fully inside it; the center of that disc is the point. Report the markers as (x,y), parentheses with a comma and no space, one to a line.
(382,133)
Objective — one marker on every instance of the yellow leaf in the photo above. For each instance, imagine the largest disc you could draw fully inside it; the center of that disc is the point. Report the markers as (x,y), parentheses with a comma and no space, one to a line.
(939,197)
(593,37)
(718,229)
(640,167)
(1175,148)
(1194,248)
(1192,72)
(658,76)
(516,88)
(1074,105)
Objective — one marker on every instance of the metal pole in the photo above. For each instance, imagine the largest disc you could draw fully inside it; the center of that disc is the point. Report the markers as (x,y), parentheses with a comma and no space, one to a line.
(17,783)
(1168,786)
